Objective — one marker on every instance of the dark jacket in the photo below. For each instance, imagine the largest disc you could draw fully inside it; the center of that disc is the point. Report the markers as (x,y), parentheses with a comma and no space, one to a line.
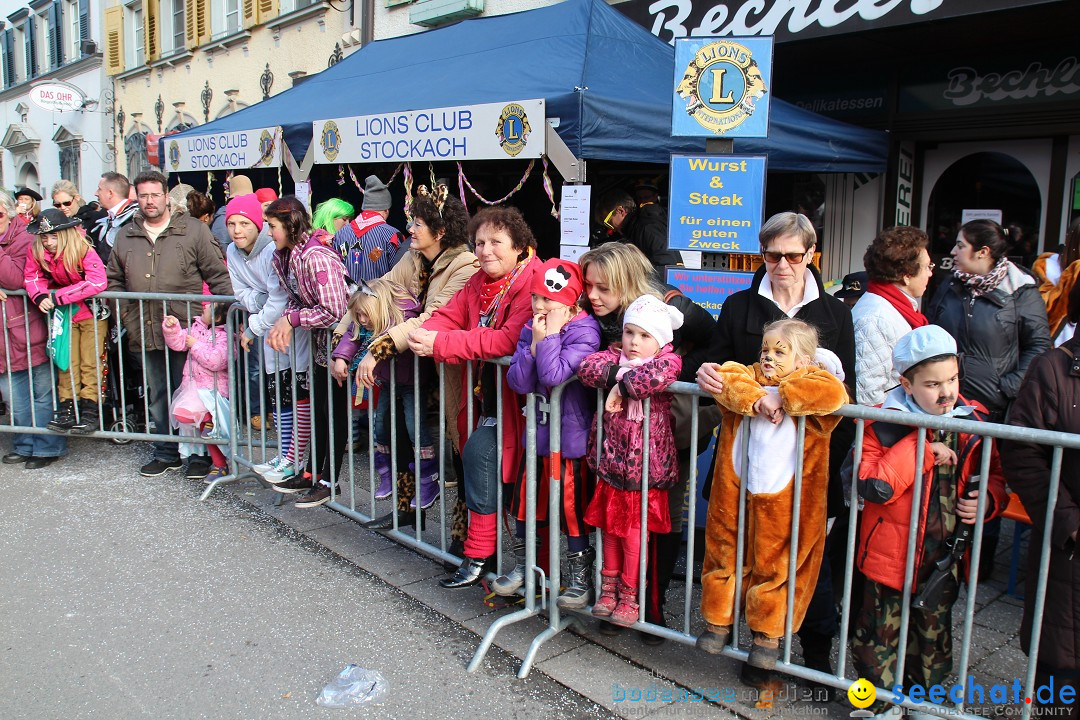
(1049,399)
(89,214)
(183,257)
(738,337)
(558,358)
(998,335)
(646,228)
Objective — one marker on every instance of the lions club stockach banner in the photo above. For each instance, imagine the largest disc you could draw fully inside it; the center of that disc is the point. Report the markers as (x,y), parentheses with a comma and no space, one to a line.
(242,149)
(493,131)
(722,87)
(715,203)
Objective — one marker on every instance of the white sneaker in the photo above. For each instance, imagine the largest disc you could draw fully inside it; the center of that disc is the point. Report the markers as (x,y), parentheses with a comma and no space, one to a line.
(279,474)
(263,468)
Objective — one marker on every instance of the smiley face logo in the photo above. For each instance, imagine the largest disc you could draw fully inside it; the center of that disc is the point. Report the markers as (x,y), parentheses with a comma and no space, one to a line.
(862,694)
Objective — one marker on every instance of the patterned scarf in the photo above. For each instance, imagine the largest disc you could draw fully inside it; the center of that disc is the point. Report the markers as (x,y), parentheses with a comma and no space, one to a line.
(634,411)
(982,284)
(492,292)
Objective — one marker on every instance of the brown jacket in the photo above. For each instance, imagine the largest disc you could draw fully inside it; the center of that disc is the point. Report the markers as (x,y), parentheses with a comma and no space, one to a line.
(1049,400)
(184,256)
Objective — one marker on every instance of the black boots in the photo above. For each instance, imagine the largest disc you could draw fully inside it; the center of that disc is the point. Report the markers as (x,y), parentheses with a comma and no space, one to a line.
(578,581)
(64,417)
(471,571)
(88,418)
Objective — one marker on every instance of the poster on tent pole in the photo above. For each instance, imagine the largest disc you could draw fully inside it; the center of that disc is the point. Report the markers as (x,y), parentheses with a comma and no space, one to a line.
(239,150)
(722,87)
(492,131)
(715,203)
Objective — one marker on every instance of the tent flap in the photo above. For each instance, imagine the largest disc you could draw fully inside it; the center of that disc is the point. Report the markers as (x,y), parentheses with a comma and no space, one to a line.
(607,80)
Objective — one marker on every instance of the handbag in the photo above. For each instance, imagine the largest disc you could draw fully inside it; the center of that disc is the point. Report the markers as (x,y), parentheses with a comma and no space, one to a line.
(59,344)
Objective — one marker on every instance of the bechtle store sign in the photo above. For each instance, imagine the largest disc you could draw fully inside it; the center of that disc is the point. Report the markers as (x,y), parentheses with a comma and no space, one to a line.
(795,19)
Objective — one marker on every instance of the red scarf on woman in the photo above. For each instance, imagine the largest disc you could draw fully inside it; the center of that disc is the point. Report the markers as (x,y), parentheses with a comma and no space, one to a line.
(899,300)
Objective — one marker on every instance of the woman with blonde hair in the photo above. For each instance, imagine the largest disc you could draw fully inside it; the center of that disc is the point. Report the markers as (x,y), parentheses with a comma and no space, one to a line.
(62,268)
(66,199)
(616,274)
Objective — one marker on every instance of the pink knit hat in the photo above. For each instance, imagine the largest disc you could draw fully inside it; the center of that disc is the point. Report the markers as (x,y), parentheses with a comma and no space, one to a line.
(248,206)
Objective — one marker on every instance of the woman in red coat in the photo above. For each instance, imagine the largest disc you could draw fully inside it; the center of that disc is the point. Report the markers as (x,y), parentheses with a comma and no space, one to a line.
(482,322)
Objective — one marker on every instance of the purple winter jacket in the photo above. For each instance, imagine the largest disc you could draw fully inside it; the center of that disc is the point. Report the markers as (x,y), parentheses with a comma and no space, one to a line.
(558,358)
(348,348)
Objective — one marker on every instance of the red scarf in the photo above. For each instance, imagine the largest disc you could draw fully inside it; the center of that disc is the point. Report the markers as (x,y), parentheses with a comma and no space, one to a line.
(899,300)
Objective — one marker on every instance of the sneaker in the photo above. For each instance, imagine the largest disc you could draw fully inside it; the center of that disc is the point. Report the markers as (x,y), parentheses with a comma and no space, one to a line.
(293,485)
(214,474)
(318,495)
(266,467)
(159,467)
(198,467)
(282,473)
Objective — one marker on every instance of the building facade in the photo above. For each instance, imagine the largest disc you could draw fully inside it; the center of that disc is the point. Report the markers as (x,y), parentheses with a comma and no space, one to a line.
(48,45)
(175,64)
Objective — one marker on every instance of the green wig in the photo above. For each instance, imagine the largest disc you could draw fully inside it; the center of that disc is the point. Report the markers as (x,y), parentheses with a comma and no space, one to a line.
(327,212)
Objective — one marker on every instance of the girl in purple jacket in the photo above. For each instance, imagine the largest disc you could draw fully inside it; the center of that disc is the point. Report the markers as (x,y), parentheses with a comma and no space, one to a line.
(376,307)
(548,354)
(642,367)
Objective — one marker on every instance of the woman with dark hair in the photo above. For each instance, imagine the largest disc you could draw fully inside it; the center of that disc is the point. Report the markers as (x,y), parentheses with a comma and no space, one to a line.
(483,322)
(993,309)
(437,265)
(313,276)
(899,268)
(200,207)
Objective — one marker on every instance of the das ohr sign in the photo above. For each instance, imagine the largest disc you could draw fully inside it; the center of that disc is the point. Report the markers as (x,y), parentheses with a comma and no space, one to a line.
(492,131)
(242,149)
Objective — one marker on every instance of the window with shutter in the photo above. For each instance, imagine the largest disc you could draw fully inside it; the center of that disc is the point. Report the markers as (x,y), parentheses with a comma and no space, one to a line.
(202,20)
(114,40)
(56,34)
(30,31)
(247,10)
(7,43)
(267,9)
(151,13)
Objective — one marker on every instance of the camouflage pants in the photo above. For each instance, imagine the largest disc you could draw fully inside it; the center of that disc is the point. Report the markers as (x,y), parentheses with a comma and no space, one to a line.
(877,639)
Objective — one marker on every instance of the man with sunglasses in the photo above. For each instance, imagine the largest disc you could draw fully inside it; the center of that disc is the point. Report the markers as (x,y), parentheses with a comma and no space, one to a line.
(787,285)
(644,227)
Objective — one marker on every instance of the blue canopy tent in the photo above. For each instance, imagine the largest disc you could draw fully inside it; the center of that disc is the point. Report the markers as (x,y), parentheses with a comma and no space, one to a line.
(606,79)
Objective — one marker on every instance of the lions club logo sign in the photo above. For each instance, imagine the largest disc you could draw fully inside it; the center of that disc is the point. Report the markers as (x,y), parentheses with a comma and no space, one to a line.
(513,129)
(330,140)
(174,154)
(721,86)
(267,144)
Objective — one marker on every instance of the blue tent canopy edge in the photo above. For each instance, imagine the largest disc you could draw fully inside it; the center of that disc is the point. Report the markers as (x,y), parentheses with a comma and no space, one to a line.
(606,79)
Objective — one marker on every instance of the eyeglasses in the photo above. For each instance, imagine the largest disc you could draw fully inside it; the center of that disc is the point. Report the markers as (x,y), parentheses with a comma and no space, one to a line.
(152,196)
(63,204)
(793,258)
(931,267)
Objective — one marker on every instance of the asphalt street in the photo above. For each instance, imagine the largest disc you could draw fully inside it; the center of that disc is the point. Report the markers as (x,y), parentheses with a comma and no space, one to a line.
(124,597)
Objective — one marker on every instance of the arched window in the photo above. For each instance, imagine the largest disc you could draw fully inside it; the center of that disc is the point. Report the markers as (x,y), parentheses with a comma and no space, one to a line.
(135,152)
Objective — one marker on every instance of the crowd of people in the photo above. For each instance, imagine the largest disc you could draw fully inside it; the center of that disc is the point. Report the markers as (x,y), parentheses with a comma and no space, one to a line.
(339,302)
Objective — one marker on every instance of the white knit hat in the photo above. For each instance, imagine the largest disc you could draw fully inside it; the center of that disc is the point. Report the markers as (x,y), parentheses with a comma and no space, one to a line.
(655,317)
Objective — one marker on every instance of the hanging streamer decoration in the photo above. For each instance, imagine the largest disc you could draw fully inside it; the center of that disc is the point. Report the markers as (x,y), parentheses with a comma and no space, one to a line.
(549,189)
(408,190)
(340,174)
(228,184)
(504,198)
(356,181)
(209,182)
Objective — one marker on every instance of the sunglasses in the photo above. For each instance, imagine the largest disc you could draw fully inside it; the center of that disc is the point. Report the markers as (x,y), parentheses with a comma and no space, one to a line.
(607,218)
(63,204)
(792,257)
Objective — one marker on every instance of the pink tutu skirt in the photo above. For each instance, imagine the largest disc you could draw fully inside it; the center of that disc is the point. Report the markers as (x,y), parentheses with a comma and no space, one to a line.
(619,511)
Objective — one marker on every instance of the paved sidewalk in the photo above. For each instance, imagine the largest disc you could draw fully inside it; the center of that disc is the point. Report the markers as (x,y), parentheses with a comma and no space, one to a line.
(121,606)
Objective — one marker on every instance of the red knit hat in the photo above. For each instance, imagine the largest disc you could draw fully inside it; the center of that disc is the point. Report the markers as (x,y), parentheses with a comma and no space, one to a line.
(248,206)
(266,195)
(559,280)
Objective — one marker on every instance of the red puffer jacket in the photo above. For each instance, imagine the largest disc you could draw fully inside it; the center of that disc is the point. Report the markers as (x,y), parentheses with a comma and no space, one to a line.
(460,341)
(886,480)
(20,317)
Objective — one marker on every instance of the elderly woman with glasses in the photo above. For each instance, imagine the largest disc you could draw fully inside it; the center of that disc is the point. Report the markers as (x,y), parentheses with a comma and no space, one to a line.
(788,285)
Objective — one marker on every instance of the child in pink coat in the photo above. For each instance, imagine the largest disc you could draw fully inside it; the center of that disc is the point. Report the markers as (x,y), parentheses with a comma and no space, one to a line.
(200,406)
(641,368)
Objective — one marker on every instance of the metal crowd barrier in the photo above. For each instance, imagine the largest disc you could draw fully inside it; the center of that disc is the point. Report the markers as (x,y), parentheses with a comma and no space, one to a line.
(246,449)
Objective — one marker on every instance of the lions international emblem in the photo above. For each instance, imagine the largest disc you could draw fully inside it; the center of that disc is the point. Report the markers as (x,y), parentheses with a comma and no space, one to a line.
(721,86)
(267,144)
(513,130)
(174,154)
(330,140)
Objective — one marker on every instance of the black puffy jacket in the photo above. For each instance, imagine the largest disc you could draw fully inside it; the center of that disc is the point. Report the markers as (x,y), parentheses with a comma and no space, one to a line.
(997,334)
(647,229)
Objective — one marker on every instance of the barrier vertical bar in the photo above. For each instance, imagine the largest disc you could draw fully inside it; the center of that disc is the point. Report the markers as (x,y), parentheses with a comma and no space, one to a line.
(740,533)
(499,461)
(692,480)
(415,437)
(849,563)
(909,564)
(793,550)
(643,555)
(443,422)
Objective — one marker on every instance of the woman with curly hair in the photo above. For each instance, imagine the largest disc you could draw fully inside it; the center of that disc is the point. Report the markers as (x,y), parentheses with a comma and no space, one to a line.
(899,268)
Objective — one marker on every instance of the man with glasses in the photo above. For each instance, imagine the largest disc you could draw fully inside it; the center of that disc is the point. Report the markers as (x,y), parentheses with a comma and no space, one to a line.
(787,285)
(643,227)
(112,192)
(162,252)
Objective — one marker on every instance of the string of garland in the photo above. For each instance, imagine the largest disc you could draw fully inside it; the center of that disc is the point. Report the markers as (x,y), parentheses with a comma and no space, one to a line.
(504,198)
(408,190)
(356,181)
(340,174)
(209,182)
(549,189)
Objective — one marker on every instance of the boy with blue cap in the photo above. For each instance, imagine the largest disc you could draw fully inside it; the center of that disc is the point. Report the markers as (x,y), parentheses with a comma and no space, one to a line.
(926,360)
